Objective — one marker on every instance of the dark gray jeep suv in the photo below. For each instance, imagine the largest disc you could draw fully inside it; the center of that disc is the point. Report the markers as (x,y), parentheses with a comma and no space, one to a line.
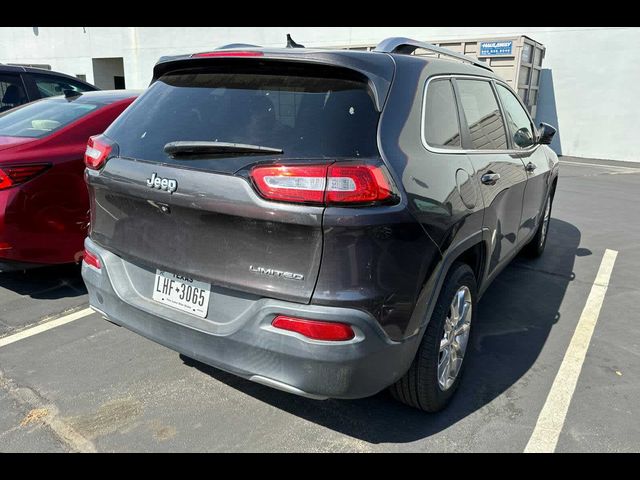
(318,221)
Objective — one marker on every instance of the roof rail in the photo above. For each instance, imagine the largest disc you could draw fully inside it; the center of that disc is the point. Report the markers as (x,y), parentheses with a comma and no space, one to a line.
(238,45)
(408,46)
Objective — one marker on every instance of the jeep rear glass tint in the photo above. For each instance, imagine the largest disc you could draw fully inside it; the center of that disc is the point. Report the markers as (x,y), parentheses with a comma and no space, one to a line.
(441,116)
(483,115)
(305,116)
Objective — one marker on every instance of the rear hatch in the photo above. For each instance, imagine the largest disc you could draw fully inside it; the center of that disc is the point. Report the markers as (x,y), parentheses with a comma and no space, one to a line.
(207,220)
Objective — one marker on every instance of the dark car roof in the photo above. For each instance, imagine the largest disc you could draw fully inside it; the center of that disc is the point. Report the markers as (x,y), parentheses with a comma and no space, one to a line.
(370,58)
(448,66)
(21,69)
(367,59)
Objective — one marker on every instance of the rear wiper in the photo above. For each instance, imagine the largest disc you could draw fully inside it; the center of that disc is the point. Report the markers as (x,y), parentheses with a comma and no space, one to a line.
(203,148)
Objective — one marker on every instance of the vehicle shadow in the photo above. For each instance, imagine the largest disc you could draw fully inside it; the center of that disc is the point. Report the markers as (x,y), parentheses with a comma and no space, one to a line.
(514,319)
(46,283)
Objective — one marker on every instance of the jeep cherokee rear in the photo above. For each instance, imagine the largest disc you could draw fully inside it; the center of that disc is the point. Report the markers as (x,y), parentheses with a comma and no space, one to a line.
(279,215)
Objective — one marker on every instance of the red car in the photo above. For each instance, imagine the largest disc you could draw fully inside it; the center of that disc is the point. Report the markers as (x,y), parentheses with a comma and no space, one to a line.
(43,195)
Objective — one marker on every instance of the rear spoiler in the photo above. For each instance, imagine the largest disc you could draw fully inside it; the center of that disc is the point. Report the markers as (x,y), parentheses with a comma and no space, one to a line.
(378,70)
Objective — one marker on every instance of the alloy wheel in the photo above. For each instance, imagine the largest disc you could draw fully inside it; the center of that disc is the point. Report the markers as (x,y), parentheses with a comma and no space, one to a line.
(455,338)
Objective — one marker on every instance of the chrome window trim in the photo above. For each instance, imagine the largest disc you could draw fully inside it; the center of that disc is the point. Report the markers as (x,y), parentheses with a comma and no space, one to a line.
(491,81)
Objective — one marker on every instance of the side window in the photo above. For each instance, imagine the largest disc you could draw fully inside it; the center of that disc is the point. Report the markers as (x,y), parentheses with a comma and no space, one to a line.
(441,127)
(49,86)
(517,119)
(12,92)
(483,115)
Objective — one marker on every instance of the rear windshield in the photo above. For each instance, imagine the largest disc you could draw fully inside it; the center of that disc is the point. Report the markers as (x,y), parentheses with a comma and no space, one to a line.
(43,117)
(305,116)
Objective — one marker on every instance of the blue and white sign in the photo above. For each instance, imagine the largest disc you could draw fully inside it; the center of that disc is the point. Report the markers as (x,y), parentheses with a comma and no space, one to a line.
(492,49)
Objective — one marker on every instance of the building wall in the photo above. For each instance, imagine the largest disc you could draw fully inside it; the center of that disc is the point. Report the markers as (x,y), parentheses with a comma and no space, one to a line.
(104,69)
(588,87)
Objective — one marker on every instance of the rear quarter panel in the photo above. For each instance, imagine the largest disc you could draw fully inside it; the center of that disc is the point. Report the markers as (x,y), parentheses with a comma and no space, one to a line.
(387,260)
(449,211)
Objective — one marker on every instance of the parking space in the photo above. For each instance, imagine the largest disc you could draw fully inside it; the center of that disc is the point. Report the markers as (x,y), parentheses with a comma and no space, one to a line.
(33,296)
(89,385)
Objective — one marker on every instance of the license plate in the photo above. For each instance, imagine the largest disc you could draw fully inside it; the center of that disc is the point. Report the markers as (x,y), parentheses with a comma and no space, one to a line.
(182,293)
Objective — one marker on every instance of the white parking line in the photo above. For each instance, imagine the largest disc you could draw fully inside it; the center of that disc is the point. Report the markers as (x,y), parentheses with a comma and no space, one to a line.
(43,327)
(551,420)
(615,167)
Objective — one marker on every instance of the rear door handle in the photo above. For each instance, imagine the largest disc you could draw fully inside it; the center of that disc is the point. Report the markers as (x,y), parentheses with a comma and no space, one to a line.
(490,178)
(530,167)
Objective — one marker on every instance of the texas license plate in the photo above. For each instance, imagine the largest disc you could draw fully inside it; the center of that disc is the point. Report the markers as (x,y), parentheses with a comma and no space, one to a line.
(182,293)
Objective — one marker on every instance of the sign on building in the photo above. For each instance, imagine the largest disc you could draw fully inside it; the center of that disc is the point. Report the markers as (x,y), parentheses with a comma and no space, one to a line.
(492,49)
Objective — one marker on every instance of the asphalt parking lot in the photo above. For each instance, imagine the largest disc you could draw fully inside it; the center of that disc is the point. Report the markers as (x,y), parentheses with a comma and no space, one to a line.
(88,385)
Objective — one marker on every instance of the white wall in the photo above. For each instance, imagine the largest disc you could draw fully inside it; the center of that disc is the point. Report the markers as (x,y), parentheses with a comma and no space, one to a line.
(66,49)
(589,85)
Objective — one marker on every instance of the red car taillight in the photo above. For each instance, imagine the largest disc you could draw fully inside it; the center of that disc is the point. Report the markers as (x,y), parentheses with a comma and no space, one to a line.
(90,259)
(96,153)
(13,175)
(322,184)
(316,329)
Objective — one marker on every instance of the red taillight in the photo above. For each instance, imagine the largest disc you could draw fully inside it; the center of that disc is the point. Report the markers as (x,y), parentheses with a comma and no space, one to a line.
(230,53)
(356,184)
(90,259)
(303,184)
(13,175)
(322,184)
(96,153)
(316,329)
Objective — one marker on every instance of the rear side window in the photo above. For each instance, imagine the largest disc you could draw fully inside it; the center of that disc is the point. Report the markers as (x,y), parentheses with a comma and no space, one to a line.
(441,127)
(482,114)
(12,92)
(305,116)
(42,117)
(49,85)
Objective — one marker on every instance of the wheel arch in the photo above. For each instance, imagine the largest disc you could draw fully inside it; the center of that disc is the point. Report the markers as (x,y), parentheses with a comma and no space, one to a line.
(473,251)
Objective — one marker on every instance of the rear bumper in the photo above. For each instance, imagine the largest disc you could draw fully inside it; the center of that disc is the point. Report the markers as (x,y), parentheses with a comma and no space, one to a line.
(247,345)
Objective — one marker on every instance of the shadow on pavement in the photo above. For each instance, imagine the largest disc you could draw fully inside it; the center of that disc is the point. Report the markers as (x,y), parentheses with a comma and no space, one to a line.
(515,317)
(46,283)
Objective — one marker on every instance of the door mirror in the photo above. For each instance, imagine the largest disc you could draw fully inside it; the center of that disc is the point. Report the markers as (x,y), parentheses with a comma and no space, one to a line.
(546,134)
(523,138)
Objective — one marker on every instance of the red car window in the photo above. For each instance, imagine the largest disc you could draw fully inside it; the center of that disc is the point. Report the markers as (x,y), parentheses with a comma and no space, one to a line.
(41,118)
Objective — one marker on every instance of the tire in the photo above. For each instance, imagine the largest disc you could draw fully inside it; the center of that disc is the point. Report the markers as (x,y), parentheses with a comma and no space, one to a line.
(420,387)
(536,245)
